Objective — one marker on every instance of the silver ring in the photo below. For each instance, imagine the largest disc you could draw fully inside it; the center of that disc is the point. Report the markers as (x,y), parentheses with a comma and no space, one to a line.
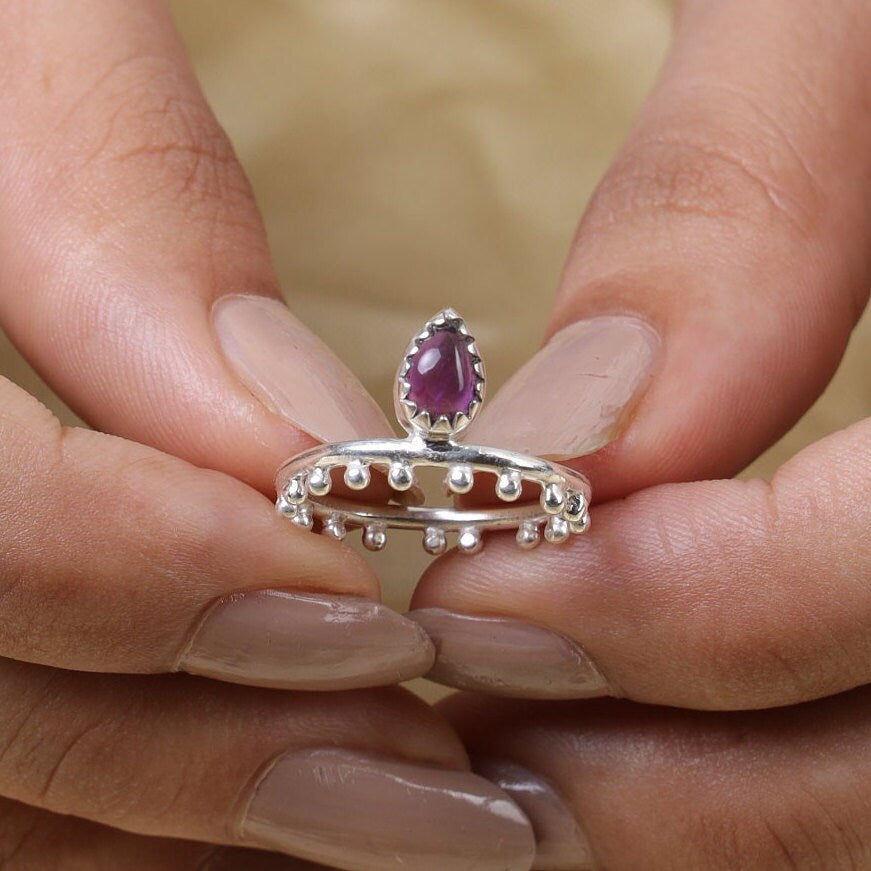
(438,391)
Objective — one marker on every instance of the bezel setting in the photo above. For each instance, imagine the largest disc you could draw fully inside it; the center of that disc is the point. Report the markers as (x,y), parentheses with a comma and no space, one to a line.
(415,419)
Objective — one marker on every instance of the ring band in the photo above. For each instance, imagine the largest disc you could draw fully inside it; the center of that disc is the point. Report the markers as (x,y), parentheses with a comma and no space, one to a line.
(438,390)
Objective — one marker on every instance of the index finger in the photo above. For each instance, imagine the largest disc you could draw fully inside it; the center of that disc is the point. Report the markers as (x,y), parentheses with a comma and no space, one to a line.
(135,270)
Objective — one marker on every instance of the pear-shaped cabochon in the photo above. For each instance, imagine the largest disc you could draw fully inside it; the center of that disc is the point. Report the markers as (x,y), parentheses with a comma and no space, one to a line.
(442,377)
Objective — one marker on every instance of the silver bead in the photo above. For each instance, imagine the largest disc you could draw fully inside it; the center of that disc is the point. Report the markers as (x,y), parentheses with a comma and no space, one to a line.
(580,526)
(319,481)
(334,526)
(553,499)
(303,517)
(295,490)
(509,485)
(357,475)
(434,540)
(400,475)
(528,534)
(556,530)
(284,507)
(470,540)
(576,506)
(375,536)
(460,478)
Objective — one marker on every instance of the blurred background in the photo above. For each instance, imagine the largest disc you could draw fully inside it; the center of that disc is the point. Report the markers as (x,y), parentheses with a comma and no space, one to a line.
(413,154)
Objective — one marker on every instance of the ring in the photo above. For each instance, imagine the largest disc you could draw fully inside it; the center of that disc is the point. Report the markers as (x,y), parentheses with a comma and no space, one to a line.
(438,390)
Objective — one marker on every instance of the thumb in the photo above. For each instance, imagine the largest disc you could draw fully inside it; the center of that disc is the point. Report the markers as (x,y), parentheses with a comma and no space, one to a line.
(723,259)
(134,271)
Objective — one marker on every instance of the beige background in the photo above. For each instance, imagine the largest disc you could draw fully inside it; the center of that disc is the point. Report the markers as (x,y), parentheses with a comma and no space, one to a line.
(411,154)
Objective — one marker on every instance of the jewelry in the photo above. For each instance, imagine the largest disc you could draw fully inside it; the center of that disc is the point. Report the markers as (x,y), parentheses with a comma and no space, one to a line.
(438,391)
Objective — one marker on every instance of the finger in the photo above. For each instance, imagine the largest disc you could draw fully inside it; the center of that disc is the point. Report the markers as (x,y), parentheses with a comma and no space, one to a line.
(610,784)
(718,594)
(31,838)
(722,261)
(709,169)
(119,558)
(125,219)
(364,780)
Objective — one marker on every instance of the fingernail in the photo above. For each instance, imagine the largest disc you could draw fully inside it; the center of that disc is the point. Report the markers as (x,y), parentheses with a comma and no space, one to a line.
(576,394)
(370,813)
(507,657)
(560,843)
(291,371)
(306,641)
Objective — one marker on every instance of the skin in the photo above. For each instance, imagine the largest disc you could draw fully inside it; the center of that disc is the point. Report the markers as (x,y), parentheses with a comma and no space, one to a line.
(738,208)
(116,541)
(775,569)
(736,220)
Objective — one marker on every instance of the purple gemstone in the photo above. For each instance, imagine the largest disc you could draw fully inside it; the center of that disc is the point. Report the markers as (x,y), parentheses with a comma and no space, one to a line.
(442,376)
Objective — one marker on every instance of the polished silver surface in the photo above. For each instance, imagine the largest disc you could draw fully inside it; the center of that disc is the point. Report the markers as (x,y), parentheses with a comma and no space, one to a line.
(305,484)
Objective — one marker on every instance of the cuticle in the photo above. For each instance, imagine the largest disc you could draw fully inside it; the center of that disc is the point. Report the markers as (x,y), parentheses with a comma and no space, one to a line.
(611,688)
(207,611)
(195,628)
(242,805)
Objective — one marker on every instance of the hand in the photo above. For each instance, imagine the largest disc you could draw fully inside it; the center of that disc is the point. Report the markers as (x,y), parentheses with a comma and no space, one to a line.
(707,300)
(134,275)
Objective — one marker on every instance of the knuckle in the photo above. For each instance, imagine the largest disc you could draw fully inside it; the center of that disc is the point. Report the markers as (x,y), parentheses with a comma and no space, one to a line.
(20,832)
(178,140)
(41,758)
(67,749)
(81,749)
(780,830)
(782,641)
(740,169)
(767,654)
(30,457)
(760,641)
(810,836)
(21,725)
(143,117)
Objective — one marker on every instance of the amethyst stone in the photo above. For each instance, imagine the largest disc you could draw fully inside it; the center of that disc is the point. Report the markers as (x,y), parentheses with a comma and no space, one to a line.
(442,375)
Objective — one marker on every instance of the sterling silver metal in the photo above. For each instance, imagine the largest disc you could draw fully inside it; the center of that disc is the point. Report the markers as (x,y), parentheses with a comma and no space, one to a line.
(304,483)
